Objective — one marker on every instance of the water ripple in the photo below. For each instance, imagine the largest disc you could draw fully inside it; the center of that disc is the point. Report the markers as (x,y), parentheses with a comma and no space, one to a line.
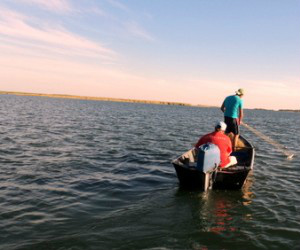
(81,174)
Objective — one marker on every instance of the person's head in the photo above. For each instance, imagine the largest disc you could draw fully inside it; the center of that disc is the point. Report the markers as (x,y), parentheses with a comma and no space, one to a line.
(220,126)
(240,92)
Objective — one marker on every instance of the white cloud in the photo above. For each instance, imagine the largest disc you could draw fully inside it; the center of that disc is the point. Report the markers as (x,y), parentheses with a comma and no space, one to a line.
(118,5)
(135,29)
(15,28)
(97,11)
(51,5)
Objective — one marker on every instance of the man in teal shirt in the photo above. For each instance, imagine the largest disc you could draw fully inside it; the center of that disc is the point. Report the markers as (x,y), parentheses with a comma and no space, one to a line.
(232,108)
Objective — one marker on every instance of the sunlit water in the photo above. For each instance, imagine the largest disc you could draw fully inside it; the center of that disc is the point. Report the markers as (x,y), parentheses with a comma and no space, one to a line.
(97,175)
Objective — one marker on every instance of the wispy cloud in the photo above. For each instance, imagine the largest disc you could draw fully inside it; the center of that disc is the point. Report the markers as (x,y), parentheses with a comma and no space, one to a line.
(118,5)
(16,28)
(51,5)
(97,11)
(137,30)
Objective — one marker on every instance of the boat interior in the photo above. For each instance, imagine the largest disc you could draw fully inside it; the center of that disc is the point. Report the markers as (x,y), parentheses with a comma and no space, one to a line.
(244,154)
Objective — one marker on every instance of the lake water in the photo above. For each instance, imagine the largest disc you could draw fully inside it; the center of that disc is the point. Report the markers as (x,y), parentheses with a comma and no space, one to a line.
(86,175)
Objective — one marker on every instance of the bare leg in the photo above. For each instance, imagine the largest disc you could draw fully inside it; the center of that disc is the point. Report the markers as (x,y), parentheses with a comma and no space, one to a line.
(231,136)
(235,142)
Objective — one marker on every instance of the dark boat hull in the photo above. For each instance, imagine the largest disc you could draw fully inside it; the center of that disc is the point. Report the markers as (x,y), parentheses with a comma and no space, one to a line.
(221,179)
(230,178)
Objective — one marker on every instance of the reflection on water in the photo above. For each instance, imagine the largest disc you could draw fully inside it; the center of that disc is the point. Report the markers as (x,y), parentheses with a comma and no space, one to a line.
(219,218)
(247,192)
(220,208)
(223,217)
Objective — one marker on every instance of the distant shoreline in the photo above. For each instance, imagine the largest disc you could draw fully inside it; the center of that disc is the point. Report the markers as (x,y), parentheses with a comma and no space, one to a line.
(289,110)
(102,99)
(281,110)
(125,100)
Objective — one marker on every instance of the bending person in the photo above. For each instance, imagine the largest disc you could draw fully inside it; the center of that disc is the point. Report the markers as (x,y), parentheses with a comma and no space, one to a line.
(222,141)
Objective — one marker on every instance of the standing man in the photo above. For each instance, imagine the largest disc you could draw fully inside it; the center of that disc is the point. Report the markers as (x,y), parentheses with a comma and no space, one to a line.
(232,108)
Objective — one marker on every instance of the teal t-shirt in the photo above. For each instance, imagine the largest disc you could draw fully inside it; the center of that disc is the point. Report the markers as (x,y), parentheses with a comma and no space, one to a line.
(232,105)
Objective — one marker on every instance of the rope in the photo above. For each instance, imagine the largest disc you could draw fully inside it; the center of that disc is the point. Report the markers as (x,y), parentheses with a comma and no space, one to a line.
(278,146)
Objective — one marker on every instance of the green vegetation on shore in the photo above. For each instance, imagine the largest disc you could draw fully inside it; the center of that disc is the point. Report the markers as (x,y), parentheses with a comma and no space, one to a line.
(97,98)
(289,110)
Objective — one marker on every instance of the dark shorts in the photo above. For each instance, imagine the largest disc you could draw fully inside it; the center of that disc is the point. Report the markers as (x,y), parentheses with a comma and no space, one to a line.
(232,126)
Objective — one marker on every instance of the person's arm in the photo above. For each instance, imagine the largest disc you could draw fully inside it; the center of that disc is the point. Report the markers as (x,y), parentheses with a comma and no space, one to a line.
(229,146)
(197,145)
(201,141)
(223,107)
(241,116)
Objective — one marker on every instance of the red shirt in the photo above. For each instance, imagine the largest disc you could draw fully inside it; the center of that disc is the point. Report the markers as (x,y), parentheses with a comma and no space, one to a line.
(222,141)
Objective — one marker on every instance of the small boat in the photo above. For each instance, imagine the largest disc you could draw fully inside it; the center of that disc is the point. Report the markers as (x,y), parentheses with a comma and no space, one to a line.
(232,177)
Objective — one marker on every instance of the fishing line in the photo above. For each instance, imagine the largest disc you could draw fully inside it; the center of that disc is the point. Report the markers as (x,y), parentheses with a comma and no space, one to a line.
(278,146)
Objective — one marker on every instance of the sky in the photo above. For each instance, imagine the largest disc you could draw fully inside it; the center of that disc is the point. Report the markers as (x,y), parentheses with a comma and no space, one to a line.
(191,51)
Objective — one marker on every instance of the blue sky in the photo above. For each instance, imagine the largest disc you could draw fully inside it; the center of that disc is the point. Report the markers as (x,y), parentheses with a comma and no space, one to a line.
(193,51)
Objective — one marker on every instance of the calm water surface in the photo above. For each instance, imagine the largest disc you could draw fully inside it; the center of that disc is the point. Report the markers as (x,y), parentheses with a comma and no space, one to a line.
(97,175)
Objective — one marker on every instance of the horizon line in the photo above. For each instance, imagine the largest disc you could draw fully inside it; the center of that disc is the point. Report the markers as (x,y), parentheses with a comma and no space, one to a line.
(111,99)
(95,98)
